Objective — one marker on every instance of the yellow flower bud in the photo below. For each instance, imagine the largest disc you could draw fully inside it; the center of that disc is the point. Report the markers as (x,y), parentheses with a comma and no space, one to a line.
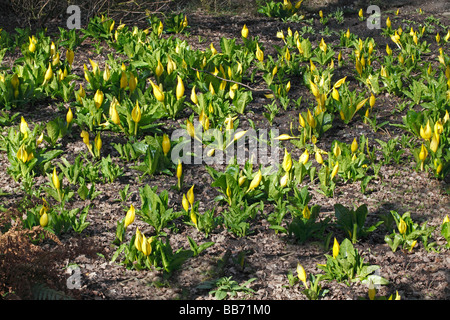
(70,55)
(402,226)
(354,145)
(255,181)
(98,142)
(129,218)
(98,98)
(194,97)
(136,113)
(185,203)
(157,92)
(49,73)
(301,273)
(336,248)
(335,170)
(69,116)
(114,114)
(244,31)
(55,180)
(43,221)
(259,53)
(180,88)
(190,195)
(138,240)
(304,157)
(306,212)
(426,133)
(319,158)
(166,144)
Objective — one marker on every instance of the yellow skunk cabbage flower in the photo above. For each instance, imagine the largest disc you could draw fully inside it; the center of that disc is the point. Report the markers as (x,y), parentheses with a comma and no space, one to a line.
(138,240)
(337,150)
(157,92)
(284,180)
(422,156)
(160,28)
(241,180)
(159,69)
(306,212)
(255,181)
(335,94)
(70,55)
(335,170)
(354,145)
(446,117)
(238,134)
(438,127)
(304,157)
(287,161)
(69,116)
(85,137)
(438,38)
(166,144)
(171,65)
(194,218)
(360,13)
(180,88)
(388,50)
(319,158)
(323,45)
(314,89)
(259,53)
(185,203)
(136,115)
(301,273)
(244,31)
(24,127)
(194,97)
(446,219)
(48,74)
(22,154)
(190,195)
(81,94)
(310,119)
(129,217)
(40,139)
(213,50)
(402,226)
(426,132)
(336,248)
(434,144)
(284,136)
(98,98)
(146,246)
(55,180)
(98,142)
(190,128)
(388,23)
(32,45)
(113,112)
(43,221)
(301,121)
(179,171)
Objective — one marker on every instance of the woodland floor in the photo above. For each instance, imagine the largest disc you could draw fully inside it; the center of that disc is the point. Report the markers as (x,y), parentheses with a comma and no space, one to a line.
(268,257)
